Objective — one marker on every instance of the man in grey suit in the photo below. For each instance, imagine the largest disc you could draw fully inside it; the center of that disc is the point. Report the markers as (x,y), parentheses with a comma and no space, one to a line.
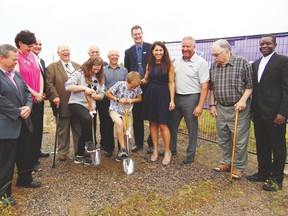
(15,126)
(270,111)
(56,75)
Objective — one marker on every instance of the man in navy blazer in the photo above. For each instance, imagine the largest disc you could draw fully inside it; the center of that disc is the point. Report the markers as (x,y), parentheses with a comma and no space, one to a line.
(136,58)
(270,111)
(15,125)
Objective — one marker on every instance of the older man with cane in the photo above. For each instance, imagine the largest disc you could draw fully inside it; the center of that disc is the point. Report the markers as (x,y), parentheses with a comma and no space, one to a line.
(230,90)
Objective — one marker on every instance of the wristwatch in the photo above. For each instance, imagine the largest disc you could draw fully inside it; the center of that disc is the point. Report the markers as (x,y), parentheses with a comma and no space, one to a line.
(117,99)
(212,105)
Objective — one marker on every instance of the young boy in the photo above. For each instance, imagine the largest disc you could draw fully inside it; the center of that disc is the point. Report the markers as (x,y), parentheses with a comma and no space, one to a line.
(127,93)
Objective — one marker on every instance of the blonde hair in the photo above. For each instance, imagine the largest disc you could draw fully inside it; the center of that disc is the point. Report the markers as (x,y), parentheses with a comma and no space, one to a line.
(134,78)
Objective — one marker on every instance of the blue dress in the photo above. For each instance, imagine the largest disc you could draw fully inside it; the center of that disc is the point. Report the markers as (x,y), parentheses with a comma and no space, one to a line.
(157,97)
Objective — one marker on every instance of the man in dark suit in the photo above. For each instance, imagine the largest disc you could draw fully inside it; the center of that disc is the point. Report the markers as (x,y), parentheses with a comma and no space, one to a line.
(136,58)
(38,108)
(15,126)
(56,75)
(270,111)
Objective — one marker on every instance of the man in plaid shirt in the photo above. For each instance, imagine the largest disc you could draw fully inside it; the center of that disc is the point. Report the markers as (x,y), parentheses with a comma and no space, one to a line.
(230,90)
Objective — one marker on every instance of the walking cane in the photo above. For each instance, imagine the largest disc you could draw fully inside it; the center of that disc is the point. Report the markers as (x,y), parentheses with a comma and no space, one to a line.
(127,129)
(234,144)
(56,136)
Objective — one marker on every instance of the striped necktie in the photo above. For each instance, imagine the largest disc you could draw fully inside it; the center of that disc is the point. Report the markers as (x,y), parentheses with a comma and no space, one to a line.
(68,69)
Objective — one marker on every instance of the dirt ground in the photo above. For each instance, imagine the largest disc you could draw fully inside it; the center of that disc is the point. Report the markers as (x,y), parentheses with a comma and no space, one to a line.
(195,189)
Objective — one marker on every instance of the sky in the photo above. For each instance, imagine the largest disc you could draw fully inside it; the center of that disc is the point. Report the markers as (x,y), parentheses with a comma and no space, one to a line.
(108,23)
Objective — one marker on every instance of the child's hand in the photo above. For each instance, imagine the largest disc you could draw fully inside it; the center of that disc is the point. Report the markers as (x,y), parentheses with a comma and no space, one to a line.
(128,101)
(89,91)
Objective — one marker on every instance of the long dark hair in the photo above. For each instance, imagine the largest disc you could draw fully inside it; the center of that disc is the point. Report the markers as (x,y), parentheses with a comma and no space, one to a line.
(165,61)
(86,68)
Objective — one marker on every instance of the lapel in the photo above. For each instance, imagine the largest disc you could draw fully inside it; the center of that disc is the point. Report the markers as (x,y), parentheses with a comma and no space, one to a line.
(61,70)
(42,67)
(11,85)
(255,70)
(267,67)
(134,54)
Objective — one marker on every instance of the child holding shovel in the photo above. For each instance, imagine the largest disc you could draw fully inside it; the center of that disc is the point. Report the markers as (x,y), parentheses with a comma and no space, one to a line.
(86,85)
(123,95)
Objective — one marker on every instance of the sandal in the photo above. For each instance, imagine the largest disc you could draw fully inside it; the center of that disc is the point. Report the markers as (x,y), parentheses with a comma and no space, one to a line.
(154,158)
(237,174)
(222,168)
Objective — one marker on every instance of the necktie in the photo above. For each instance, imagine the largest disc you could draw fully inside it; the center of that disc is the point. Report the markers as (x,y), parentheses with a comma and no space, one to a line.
(68,69)
(139,58)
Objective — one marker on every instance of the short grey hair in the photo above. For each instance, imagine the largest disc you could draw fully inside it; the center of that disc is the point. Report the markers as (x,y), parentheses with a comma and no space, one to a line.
(189,38)
(222,43)
(6,48)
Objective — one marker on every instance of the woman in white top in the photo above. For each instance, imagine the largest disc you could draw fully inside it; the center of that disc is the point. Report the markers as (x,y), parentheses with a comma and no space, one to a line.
(86,85)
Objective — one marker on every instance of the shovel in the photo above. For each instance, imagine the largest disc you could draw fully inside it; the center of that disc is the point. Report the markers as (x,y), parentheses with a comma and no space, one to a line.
(128,163)
(127,129)
(96,157)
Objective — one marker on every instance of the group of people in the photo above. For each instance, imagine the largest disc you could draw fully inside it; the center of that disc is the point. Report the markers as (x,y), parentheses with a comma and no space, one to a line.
(149,87)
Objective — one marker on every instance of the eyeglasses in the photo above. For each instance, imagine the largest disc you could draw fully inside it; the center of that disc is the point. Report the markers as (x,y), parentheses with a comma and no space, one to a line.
(217,54)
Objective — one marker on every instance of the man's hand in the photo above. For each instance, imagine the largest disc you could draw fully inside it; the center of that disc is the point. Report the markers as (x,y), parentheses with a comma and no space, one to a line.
(280,119)
(25,112)
(56,102)
(213,111)
(198,111)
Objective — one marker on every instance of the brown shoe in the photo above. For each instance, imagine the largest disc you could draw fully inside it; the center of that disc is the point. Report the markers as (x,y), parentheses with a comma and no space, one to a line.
(62,157)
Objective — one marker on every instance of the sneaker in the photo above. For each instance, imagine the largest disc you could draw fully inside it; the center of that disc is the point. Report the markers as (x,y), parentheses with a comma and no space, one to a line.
(82,160)
(90,147)
(272,185)
(121,155)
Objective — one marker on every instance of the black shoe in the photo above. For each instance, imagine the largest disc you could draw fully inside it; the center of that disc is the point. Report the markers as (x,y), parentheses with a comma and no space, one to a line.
(32,184)
(256,178)
(272,185)
(187,161)
(136,148)
(44,154)
(109,153)
(8,201)
(150,150)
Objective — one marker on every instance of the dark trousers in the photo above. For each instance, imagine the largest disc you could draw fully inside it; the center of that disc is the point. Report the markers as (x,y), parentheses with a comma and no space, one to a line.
(106,125)
(270,140)
(82,113)
(37,120)
(138,125)
(8,149)
(24,155)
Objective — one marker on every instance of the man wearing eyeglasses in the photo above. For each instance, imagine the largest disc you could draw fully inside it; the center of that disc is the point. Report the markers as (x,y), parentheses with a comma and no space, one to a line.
(230,90)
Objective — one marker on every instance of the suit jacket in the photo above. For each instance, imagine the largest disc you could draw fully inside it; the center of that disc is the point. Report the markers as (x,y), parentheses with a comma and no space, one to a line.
(11,100)
(43,73)
(130,59)
(56,77)
(270,95)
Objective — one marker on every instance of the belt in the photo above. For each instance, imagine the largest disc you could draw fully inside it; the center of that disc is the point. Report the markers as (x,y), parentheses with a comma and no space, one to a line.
(186,94)
(227,105)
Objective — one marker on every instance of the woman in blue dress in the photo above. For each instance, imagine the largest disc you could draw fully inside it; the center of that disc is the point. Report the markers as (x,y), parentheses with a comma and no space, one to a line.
(159,97)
